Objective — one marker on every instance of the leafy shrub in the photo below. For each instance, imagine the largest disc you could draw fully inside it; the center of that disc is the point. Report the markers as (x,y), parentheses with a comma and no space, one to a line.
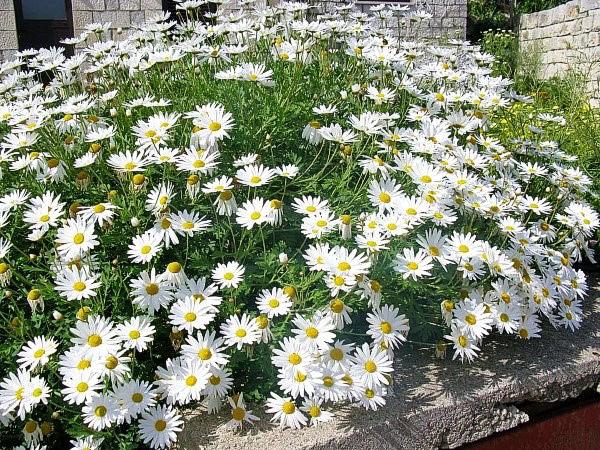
(264,210)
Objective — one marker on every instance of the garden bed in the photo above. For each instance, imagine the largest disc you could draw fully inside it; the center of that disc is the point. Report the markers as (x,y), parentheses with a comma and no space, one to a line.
(441,403)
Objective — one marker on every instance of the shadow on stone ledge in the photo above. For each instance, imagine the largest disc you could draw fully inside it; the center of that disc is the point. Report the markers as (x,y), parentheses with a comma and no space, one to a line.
(440,403)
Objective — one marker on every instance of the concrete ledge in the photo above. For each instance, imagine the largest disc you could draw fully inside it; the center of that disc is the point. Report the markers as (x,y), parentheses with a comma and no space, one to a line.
(440,403)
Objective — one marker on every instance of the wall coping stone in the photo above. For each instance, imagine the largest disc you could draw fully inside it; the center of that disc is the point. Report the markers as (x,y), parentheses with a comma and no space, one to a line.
(439,403)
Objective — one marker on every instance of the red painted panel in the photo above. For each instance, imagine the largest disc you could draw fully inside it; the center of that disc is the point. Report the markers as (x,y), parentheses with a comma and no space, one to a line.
(578,429)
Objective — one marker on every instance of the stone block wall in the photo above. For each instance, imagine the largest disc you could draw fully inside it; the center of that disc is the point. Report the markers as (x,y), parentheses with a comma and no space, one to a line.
(120,13)
(449,17)
(8,29)
(566,38)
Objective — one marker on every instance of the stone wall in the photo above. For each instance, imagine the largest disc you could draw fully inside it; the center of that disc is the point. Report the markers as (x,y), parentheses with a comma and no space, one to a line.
(8,29)
(566,38)
(120,13)
(449,16)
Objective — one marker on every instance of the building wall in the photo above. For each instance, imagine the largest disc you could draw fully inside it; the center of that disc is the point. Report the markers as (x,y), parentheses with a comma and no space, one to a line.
(8,29)
(449,17)
(566,38)
(120,13)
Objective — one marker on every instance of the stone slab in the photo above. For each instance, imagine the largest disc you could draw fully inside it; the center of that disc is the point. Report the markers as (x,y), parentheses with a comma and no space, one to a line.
(439,403)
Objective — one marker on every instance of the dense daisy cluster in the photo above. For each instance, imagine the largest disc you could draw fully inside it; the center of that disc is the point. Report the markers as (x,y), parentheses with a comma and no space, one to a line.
(252,210)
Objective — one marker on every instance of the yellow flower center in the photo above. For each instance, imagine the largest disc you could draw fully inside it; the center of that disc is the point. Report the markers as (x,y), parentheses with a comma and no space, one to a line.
(273,303)
(152,289)
(238,414)
(344,266)
(174,267)
(314,411)
(337,306)
(384,197)
(471,319)
(463,248)
(137,398)
(134,334)
(214,380)
(30,426)
(191,380)
(214,126)
(94,340)
(99,208)
(385,327)
(189,317)
(370,366)
(311,332)
(288,407)
(412,265)
(100,411)
(111,362)
(204,354)
(84,364)
(78,238)
(160,425)
(240,332)
(336,354)
(294,359)
(504,317)
(79,286)
(523,333)
(82,387)
(146,249)
(228,276)
(39,353)
(463,341)
(255,215)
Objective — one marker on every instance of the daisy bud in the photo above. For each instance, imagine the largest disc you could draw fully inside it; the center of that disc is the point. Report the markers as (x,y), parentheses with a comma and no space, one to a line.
(112,194)
(46,428)
(73,209)
(128,112)
(15,323)
(283,258)
(176,336)
(55,415)
(57,315)
(196,70)
(35,299)
(355,88)
(8,293)
(83,313)
(119,30)
(135,222)
(33,257)
(440,350)
(344,95)
(345,226)
(290,291)
(113,112)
